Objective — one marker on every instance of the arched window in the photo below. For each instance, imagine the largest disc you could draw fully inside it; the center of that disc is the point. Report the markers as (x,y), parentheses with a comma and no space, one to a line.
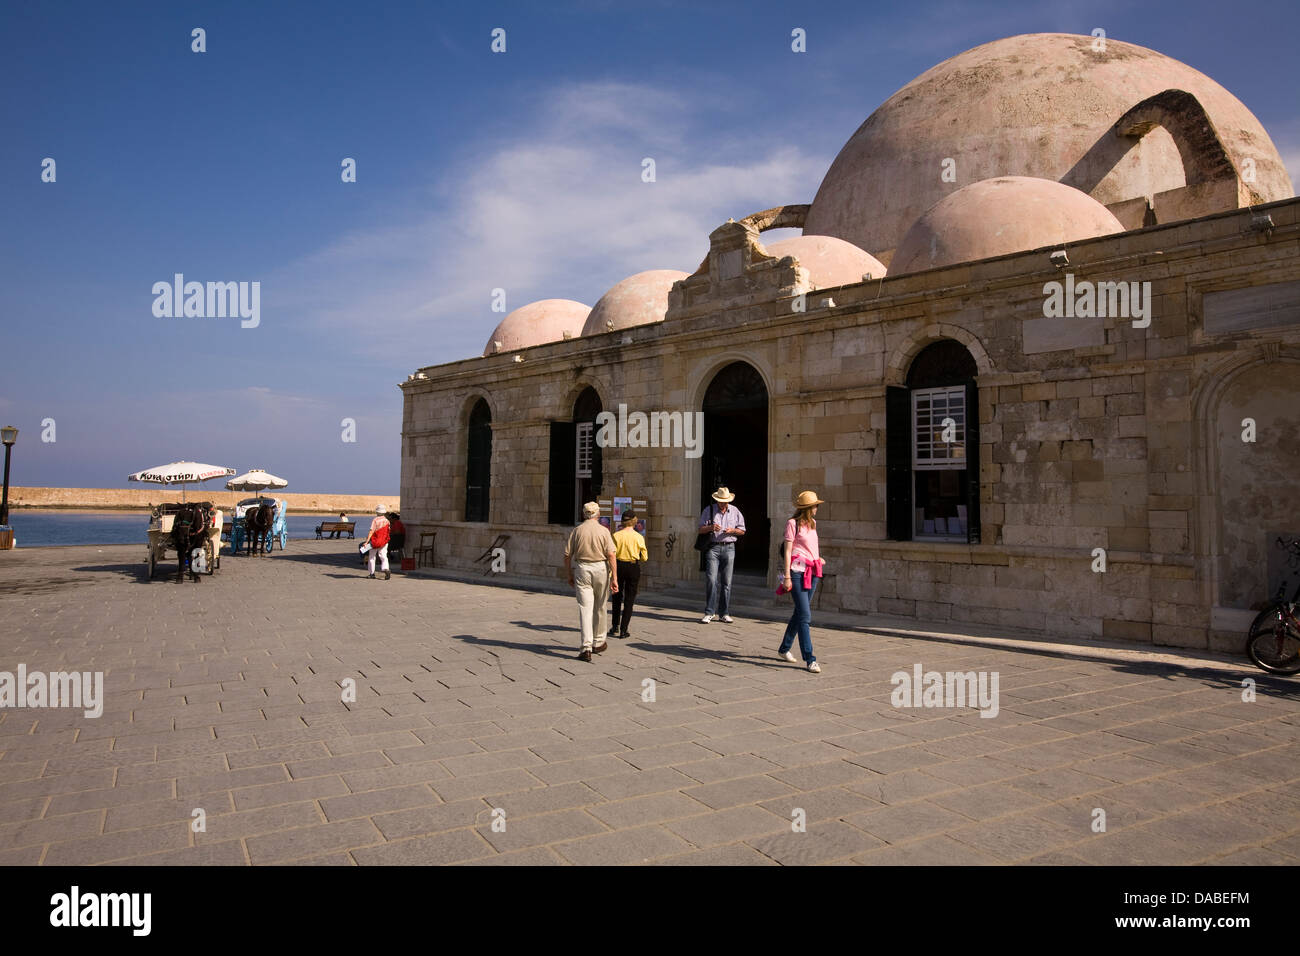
(478,473)
(576,466)
(932,448)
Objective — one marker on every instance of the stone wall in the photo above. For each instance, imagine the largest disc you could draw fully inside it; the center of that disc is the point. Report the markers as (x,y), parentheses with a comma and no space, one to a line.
(1094,433)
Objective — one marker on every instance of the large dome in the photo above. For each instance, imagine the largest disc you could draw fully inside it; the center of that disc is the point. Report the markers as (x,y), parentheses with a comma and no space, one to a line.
(1000,216)
(829,261)
(637,300)
(537,323)
(1040,105)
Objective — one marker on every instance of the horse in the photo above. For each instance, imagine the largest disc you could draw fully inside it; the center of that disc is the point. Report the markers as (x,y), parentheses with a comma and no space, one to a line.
(257,526)
(189,531)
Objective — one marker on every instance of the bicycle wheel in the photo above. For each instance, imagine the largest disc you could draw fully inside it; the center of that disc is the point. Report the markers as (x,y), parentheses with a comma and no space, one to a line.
(1273,642)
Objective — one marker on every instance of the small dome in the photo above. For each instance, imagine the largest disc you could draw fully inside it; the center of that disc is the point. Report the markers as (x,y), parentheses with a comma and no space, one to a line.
(829,261)
(537,323)
(996,217)
(637,300)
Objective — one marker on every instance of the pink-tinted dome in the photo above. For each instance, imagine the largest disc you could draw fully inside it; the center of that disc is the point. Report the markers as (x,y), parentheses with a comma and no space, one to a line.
(637,300)
(1000,216)
(829,261)
(1039,105)
(537,323)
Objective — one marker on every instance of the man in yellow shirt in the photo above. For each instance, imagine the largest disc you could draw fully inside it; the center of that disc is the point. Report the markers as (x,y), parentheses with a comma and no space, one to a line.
(629,549)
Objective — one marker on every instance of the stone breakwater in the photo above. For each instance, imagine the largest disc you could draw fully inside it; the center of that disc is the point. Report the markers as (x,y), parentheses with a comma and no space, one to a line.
(135,499)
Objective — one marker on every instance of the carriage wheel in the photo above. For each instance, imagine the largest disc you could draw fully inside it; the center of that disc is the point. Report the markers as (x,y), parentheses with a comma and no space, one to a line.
(153,562)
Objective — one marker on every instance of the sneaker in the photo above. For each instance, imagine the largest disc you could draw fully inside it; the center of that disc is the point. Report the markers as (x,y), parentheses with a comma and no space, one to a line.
(584,655)
(370,575)
(625,635)
(814,668)
(600,648)
(707,618)
(727,619)
(387,575)
(787,656)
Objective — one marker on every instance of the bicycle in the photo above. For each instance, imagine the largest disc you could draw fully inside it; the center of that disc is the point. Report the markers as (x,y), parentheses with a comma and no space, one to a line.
(1273,641)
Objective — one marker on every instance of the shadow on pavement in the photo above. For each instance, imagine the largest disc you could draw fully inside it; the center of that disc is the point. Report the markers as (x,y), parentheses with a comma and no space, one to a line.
(548,649)
(705,653)
(542,627)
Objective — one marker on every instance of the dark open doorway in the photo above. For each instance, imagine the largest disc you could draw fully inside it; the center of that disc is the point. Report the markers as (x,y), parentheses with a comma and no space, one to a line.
(735,455)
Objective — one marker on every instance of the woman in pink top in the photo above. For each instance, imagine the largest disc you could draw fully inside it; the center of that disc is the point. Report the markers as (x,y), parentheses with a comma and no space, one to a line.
(803,560)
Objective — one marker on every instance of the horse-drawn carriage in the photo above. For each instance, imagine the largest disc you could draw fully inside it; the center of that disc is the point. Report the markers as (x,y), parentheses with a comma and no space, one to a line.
(258,524)
(192,530)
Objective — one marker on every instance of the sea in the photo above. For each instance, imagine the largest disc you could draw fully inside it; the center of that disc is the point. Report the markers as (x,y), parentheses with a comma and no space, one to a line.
(34,528)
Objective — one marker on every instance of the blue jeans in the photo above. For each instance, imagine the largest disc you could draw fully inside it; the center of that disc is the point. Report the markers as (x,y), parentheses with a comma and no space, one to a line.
(719,557)
(800,619)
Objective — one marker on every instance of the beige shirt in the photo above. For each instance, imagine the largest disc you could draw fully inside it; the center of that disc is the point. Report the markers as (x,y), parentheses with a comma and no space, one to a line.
(589,541)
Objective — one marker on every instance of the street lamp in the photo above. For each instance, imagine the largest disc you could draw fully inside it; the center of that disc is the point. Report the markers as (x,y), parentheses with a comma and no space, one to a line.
(8,435)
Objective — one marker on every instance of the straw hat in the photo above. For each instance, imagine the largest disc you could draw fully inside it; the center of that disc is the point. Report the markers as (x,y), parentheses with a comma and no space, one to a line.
(723,494)
(380,509)
(807,499)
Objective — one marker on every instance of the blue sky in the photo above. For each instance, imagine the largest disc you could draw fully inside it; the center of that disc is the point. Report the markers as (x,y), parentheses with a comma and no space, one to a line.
(475,171)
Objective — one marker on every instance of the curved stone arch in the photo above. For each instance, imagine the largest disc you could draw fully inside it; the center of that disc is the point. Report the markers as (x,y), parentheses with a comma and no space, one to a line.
(472,398)
(1181,115)
(1206,532)
(901,359)
(703,375)
(584,381)
(778,217)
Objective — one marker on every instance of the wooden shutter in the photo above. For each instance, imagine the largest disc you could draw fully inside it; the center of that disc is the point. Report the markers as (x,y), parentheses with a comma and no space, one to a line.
(560,504)
(972,464)
(898,463)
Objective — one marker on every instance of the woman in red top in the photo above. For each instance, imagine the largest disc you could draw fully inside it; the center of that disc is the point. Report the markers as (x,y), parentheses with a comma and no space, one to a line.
(802,559)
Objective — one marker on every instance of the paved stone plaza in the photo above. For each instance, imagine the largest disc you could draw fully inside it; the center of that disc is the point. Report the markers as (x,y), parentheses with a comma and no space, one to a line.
(225,696)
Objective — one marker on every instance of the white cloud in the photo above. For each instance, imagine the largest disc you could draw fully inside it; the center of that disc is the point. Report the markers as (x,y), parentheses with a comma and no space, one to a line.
(559,211)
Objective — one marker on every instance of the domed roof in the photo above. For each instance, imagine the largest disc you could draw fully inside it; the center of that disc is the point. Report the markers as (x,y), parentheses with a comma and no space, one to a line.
(829,261)
(1038,105)
(1000,216)
(537,323)
(637,300)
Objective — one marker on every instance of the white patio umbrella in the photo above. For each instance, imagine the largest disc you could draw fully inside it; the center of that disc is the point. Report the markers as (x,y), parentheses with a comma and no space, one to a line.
(181,473)
(255,480)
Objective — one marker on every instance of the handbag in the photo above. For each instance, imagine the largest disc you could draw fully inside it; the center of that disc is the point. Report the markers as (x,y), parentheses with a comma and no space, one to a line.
(705,538)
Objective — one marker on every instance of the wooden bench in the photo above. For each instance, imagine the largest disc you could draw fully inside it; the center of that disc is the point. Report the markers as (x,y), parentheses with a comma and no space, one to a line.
(427,541)
(329,527)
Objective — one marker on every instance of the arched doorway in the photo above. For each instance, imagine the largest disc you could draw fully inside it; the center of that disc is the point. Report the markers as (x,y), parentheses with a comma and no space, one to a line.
(735,455)
(478,472)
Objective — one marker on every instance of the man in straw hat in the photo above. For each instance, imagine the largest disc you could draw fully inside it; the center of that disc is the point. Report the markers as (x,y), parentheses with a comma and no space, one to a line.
(590,561)
(725,525)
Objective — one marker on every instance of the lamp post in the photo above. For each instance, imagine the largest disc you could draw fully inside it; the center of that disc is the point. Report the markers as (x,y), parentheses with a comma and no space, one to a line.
(8,435)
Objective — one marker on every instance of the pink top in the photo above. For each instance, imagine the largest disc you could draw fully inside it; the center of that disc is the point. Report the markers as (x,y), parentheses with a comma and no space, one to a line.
(805,545)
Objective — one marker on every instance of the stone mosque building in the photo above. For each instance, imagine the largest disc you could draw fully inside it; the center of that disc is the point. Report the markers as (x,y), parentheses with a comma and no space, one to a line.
(1043,318)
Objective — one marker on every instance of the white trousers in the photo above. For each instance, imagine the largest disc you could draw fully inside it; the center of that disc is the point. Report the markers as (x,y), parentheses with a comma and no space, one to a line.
(591,582)
(382,551)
